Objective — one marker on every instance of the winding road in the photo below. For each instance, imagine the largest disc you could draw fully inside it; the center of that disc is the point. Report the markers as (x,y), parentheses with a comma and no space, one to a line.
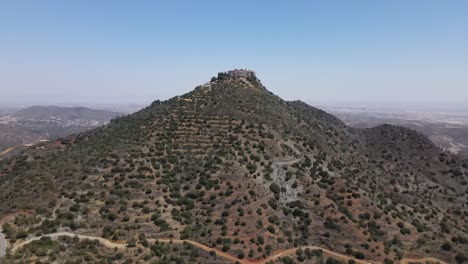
(109,244)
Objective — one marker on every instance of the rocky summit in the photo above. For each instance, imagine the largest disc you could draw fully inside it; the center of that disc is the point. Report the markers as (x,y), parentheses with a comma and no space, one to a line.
(230,172)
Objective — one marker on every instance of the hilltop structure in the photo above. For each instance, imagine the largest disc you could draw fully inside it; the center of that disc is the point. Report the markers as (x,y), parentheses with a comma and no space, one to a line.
(243,73)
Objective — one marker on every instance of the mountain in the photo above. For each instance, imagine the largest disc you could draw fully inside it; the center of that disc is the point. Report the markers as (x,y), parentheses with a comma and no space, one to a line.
(64,113)
(231,172)
(450,136)
(34,123)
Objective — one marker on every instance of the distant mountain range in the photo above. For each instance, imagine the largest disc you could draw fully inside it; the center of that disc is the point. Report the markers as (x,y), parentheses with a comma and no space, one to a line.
(230,172)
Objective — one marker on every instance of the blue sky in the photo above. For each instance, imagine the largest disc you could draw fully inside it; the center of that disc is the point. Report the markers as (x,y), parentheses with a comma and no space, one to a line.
(139,51)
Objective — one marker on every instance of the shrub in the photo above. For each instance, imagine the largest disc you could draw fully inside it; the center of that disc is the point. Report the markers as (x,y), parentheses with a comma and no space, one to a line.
(271,229)
(359,255)
(388,261)
(330,224)
(446,246)
(21,234)
(331,260)
(275,188)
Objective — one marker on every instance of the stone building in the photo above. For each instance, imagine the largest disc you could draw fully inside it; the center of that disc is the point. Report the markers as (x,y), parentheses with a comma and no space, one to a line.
(242,73)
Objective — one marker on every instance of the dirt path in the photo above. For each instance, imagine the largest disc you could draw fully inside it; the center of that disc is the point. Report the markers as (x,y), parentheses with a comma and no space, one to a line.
(22,145)
(292,251)
(422,261)
(286,162)
(288,252)
(54,215)
(9,149)
(3,242)
(105,242)
(200,246)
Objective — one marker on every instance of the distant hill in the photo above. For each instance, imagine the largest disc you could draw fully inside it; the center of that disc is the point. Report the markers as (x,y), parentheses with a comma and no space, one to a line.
(49,122)
(36,113)
(452,137)
(230,172)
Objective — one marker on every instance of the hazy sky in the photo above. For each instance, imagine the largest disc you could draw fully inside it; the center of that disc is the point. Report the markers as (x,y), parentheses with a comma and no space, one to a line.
(138,51)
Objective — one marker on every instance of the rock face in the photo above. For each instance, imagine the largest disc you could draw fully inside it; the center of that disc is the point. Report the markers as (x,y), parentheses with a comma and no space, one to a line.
(235,167)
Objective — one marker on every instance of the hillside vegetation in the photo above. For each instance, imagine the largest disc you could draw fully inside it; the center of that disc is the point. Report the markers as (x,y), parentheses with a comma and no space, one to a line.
(234,167)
